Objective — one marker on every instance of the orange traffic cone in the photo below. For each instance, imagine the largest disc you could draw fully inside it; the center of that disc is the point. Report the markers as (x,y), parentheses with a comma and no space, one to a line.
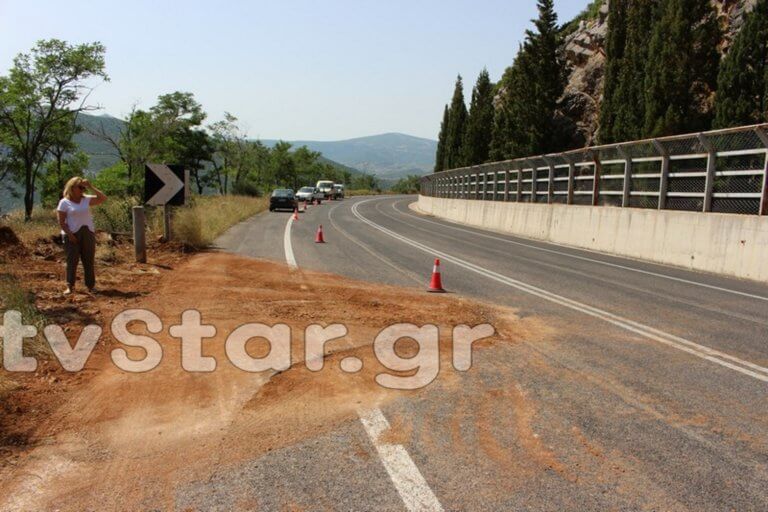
(436,284)
(295,214)
(319,236)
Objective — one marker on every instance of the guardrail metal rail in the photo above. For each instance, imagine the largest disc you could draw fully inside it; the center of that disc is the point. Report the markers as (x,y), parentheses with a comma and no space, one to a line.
(723,171)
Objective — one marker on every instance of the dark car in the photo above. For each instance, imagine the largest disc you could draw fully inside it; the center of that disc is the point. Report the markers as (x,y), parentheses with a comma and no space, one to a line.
(282,198)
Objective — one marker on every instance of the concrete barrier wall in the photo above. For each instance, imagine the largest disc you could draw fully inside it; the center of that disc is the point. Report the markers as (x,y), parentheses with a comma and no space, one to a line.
(734,245)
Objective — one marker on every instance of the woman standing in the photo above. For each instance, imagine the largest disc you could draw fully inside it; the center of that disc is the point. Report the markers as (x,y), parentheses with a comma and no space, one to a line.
(77,228)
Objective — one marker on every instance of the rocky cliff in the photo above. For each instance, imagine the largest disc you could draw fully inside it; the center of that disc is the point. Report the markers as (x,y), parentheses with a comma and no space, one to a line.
(585,53)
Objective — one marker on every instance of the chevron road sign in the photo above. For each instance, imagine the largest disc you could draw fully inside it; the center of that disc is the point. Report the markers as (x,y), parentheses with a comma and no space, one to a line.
(164,185)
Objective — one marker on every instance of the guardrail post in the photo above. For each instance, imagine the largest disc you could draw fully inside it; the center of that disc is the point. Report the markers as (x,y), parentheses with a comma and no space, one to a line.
(571,181)
(764,191)
(519,197)
(596,180)
(139,240)
(709,184)
(664,178)
(534,177)
(627,177)
(550,180)
(167,232)
(506,186)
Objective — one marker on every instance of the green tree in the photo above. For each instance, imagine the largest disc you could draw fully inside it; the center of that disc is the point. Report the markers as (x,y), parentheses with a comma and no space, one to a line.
(43,89)
(615,62)
(622,112)
(524,122)
(169,132)
(65,159)
(681,69)
(440,155)
(230,147)
(283,165)
(58,171)
(477,137)
(457,118)
(549,77)
(365,182)
(409,185)
(196,151)
(742,84)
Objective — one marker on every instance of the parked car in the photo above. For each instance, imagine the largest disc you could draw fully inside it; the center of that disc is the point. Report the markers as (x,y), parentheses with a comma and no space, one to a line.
(282,198)
(308,194)
(326,187)
(338,191)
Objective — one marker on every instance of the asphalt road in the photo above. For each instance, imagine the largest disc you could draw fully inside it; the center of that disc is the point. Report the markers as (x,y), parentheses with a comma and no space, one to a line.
(646,388)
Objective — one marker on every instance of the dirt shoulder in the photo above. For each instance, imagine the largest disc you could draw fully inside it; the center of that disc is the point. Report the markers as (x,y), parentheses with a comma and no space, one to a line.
(157,430)
(33,277)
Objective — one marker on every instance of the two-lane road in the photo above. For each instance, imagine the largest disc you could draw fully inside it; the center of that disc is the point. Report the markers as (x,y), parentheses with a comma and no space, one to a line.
(639,386)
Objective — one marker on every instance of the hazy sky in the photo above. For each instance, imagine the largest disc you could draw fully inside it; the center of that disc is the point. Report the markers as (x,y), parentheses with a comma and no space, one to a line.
(290,69)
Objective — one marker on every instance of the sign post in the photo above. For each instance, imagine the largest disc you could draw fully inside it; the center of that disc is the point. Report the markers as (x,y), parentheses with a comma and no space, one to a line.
(139,241)
(166,186)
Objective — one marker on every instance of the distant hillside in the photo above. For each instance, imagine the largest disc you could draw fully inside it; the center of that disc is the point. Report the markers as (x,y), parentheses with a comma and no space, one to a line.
(100,152)
(103,155)
(390,155)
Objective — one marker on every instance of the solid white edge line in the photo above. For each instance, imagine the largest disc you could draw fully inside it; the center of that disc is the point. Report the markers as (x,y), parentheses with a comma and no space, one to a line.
(591,260)
(406,477)
(682,344)
(289,257)
(408,480)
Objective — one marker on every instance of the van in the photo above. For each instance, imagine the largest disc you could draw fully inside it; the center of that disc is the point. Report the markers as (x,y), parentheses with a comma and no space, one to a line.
(326,187)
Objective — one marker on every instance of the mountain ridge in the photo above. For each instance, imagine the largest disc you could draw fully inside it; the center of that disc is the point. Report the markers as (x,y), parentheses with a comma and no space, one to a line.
(387,155)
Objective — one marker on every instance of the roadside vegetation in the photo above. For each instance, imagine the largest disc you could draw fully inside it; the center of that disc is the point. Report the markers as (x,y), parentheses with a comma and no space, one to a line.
(45,91)
(198,225)
(13,296)
(664,76)
(361,192)
(407,185)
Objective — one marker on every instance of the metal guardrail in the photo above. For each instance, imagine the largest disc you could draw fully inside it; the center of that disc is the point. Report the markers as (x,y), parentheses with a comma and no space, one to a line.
(722,171)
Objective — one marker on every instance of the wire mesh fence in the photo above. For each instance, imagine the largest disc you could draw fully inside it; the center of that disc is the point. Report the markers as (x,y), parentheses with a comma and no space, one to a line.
(723,171)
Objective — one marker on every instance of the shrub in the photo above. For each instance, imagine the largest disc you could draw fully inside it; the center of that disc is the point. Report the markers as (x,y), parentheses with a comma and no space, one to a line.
(14,297)
(115,215)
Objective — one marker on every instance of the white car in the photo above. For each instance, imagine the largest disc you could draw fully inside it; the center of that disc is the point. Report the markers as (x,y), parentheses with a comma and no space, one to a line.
(326,187)
(308,194)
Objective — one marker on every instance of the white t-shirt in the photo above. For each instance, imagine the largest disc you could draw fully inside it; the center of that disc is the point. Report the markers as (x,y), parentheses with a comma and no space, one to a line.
(78,214)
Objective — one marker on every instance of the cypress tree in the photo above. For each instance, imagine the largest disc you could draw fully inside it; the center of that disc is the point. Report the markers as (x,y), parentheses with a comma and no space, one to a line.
(622,113)
(549,75)
(477,137)
(501,135)
(615,48)
(440,156)
(742,85)
(524,124)
(681,69)
(457,118)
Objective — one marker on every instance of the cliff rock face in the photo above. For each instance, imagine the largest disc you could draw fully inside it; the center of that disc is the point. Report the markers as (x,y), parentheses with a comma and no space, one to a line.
(585,53)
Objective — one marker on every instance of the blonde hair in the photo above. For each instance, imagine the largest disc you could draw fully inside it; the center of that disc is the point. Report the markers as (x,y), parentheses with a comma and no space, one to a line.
(72,183)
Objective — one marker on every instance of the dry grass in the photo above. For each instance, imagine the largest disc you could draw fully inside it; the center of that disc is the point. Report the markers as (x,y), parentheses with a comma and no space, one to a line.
(199,224)
(43,224)
(361,192)
(14,297)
